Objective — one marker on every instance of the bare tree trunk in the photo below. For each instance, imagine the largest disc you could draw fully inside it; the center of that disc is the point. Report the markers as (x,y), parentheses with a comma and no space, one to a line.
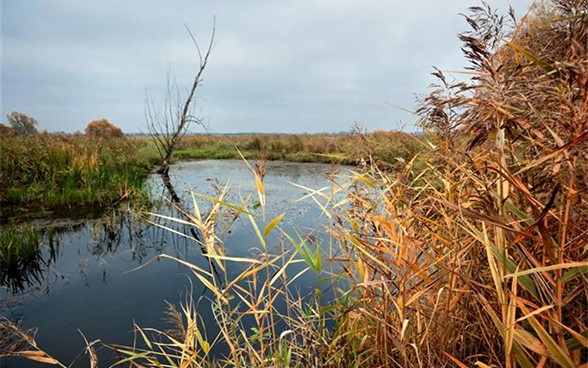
(169,126)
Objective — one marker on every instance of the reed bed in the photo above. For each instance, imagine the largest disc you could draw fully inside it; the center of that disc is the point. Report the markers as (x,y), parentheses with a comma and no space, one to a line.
(52,171)
(477,259)
(387,147)
(473,254)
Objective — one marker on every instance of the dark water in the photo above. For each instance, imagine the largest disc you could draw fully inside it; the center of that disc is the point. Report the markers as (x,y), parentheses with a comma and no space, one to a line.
(100,276)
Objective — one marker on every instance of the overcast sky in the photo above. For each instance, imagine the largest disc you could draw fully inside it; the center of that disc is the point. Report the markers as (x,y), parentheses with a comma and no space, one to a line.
(277,66)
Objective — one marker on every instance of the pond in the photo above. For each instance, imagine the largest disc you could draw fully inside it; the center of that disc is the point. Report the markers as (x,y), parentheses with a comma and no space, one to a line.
(99,276)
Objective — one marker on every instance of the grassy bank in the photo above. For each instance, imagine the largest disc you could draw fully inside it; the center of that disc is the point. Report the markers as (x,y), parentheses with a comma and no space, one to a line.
(386,147)
(56,172)
(52,171)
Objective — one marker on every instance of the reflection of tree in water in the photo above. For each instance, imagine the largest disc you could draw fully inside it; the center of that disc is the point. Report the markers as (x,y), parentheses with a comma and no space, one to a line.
(127,236)
(191,231)
(129,229)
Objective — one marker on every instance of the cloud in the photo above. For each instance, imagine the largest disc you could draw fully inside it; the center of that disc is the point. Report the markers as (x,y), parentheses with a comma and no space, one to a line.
(277,66)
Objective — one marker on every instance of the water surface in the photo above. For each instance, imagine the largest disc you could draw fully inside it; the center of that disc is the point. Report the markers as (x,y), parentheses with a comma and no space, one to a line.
(101,276)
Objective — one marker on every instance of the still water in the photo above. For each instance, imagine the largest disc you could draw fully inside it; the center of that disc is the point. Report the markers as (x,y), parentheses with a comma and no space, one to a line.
(99,277)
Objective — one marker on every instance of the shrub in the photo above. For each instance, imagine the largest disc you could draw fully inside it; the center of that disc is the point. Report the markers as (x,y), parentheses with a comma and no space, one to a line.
(103,129)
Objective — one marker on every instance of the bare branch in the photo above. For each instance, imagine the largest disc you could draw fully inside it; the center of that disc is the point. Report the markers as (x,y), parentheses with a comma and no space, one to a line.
(195,43)
(169,125)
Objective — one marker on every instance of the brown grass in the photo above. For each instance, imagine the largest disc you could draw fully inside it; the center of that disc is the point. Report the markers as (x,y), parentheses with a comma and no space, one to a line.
(477,259)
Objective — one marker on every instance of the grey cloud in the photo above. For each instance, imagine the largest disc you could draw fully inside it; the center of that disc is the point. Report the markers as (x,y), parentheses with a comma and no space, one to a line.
(277,66)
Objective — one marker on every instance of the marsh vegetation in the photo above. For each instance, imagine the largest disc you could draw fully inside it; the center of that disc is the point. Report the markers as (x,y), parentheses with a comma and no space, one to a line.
(58,172)
(468,250)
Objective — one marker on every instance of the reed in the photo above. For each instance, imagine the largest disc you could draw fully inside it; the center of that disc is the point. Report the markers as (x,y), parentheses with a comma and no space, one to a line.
(52,171)
(20,257)
(386,147)
(471,254)
(477,258)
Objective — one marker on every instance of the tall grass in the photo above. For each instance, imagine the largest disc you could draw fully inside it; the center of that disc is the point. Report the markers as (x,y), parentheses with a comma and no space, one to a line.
(260,316)
(386,147)
(49,171)
(476,259)
(20,258)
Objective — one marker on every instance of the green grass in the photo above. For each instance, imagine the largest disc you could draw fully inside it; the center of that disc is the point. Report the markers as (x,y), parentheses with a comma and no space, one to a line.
(472,256)
(385,147)
(50,171)
(20,257)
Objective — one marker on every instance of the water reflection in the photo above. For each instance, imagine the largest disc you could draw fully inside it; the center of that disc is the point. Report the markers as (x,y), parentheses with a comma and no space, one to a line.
(100,275)
(29,252)
(21,262)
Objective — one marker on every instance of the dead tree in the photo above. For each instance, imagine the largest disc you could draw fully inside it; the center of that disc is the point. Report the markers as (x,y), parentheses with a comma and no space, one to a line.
(167,126)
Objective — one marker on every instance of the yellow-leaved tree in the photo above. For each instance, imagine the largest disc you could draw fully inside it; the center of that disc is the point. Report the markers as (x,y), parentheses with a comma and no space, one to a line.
(103,129)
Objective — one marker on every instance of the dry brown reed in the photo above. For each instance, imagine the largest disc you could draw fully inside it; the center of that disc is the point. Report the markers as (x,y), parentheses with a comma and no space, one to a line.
(481,258)
(476,259)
